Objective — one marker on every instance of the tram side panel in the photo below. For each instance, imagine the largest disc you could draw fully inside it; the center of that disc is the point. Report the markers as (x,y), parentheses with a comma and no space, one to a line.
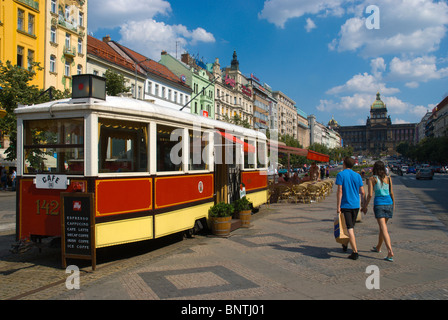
(256,183)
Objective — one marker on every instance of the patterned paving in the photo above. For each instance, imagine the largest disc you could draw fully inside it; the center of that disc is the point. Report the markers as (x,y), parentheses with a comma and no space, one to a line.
(200,281)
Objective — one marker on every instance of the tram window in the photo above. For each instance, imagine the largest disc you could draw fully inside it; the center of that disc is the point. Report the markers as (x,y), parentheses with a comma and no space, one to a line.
(261,155)
(169,148)
(55,146)
(123,146)
(249,157)
(197,159)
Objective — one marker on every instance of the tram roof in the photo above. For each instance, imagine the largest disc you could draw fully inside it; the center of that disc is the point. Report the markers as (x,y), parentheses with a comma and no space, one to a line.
(132,107)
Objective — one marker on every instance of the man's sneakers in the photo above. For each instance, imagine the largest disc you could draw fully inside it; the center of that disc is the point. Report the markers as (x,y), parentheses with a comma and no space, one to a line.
(354,256)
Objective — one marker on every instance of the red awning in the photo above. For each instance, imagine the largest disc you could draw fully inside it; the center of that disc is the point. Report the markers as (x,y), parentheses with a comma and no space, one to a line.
(247,147)
(309,154)
(313,155)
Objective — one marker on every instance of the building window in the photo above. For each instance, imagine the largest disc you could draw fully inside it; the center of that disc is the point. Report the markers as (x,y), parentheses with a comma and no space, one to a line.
(79,69)
(53,35)
(79,45)
(20,56)
(30,59)
(156,90)
(53,6)
(169,94)
(149,89)
(163,92)
(67,41)
(67,11)
(52,63)
(81,19)
(31,23)
(67,69)
(20,20)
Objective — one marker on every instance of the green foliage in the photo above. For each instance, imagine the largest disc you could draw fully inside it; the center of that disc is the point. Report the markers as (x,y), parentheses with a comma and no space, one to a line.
(115,83)
(220,210)
(429,149)
(242,204)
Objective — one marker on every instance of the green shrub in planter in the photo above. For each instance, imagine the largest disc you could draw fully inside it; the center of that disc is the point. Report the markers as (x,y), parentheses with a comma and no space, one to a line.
(242,204)
(220,210)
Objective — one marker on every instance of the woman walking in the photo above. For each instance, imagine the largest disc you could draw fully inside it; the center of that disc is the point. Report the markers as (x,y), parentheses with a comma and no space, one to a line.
(383,206)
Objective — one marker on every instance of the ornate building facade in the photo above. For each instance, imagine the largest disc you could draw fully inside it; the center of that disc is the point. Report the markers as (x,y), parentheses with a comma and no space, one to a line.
(379,136)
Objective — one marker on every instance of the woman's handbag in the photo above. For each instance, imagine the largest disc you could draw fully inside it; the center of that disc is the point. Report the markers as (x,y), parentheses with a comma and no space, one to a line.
(340,229)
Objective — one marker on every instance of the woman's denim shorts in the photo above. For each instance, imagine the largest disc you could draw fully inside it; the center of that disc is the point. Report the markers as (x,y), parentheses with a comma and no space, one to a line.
(384,211)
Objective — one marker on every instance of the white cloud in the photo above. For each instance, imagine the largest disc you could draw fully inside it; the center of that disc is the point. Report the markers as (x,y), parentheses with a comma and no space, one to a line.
(110,14)
(421,69)
(407,27)
(400,121)
(135,20)
(363,83)
(378,67)
(158,36)
(280,11)
(310,25)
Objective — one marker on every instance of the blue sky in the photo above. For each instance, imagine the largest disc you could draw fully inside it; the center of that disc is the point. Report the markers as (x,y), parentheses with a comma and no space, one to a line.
(320,52)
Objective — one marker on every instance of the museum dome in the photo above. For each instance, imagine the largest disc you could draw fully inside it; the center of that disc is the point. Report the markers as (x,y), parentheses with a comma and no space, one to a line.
(378,104)
(333,123)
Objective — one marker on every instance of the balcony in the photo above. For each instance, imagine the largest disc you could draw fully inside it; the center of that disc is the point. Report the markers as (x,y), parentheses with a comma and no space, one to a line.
(68,24)
(70,51)
(30,3)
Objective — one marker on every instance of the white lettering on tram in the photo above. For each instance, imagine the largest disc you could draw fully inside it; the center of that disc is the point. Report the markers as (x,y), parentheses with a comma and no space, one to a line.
(251,151)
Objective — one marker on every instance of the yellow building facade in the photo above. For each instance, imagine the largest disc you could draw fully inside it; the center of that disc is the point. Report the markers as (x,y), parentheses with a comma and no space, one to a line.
(65,42)
(22,25)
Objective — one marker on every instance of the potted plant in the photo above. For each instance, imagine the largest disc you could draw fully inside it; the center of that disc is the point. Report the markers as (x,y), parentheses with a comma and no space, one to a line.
(221,216)
(244,209)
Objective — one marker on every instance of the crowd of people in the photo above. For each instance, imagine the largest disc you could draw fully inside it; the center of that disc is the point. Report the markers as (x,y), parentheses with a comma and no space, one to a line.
(314,173)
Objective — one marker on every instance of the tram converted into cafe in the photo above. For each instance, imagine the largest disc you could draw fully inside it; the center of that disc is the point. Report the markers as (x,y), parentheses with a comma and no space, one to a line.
(151,171)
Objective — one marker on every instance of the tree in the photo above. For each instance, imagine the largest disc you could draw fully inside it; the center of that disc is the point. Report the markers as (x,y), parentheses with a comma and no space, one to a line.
(14,81)
(115,83)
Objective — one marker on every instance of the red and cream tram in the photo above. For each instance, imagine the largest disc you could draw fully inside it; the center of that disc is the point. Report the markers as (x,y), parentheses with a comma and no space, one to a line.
(152,171)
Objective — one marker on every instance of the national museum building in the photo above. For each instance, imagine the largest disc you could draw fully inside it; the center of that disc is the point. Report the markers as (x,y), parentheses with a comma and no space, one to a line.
(379,136)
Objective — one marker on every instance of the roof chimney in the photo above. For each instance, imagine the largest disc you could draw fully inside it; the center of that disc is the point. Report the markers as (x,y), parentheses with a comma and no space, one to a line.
(106,38)
(163,52)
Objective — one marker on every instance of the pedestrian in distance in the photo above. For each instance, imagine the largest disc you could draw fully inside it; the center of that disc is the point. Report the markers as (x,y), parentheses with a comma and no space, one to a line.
(380,186)
(314,172)
(350,190)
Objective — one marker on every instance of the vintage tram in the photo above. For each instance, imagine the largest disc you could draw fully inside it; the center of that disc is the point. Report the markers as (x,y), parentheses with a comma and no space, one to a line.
(152,171)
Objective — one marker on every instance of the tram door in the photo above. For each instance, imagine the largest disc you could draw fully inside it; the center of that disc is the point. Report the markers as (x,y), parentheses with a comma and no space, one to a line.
(227,170)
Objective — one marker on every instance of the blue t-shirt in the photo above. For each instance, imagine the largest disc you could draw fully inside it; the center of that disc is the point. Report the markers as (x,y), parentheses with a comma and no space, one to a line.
(351,182)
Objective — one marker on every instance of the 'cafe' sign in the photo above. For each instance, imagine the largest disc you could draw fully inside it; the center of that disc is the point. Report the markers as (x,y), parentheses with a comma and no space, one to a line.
(51,181)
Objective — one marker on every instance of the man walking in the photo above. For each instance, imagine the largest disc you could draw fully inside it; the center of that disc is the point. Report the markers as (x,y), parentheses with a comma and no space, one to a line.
(350,186)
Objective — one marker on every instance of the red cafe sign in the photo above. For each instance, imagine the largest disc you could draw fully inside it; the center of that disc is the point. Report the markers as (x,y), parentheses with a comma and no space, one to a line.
(246,90)
(229,81)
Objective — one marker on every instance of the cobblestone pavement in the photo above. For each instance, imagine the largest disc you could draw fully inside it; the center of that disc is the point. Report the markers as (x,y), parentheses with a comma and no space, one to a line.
(288,253)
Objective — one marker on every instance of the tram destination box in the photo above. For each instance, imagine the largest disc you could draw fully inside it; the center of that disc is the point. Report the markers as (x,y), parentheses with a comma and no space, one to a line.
(78,224)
